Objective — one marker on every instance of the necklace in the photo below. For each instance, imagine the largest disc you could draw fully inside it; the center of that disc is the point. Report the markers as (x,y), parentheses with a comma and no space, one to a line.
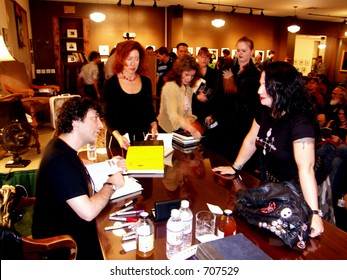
(129,79)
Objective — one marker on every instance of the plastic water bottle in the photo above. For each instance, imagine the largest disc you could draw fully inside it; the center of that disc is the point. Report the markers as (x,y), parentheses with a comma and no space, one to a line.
(174,233)
(144,236)
(187,219)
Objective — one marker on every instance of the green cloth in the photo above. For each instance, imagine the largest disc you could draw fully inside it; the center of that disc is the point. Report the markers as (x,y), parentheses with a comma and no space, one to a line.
(25,178)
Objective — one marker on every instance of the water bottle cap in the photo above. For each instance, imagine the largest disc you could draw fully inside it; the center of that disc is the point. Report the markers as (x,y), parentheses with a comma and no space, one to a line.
(175,213)
(144,215)
(228,212)
(185,203)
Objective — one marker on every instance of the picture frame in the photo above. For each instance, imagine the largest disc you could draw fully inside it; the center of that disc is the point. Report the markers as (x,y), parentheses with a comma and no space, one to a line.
(261,52)
(191,50)
(174,50)
(197,49)
(71,58)
(5,35)
(343,67)
(233,53)
(214,54)
(71,46)
(222,49)
(104,49)
(71,33)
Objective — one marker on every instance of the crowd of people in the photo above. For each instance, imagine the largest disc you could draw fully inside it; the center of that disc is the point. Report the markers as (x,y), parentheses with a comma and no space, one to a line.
(265,117)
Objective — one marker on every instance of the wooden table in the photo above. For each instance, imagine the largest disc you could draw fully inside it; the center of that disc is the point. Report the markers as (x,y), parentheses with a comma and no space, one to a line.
(190,177)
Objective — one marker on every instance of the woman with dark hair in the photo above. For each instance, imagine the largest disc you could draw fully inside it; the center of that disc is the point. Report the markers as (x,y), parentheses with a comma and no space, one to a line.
(176,97)
(284,131)
(128,97)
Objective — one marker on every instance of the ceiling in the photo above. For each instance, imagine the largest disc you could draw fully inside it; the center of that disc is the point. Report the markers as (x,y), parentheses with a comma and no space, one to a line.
(325,10)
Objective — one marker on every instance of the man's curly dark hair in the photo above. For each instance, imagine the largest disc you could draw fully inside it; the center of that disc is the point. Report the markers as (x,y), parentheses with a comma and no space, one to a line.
(74,109)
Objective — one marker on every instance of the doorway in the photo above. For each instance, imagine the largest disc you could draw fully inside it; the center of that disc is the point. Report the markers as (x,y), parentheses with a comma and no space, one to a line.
(306,50)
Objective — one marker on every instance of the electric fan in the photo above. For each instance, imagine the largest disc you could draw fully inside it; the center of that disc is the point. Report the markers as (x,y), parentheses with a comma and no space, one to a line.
(16,139)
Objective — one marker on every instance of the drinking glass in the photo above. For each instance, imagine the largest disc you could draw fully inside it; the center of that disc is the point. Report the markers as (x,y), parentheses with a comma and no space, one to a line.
(205,223)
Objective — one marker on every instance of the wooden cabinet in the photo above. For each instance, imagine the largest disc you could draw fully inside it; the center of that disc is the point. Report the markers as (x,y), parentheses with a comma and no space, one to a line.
(71,44)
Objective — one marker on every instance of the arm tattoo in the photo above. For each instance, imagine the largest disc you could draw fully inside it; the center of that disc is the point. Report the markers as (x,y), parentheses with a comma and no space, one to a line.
(305,141)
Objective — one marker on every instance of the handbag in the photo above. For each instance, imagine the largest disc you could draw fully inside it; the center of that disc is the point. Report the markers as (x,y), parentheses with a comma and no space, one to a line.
(279,208)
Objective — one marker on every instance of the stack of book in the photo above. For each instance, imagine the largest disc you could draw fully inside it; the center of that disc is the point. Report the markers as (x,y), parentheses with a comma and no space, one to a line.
(182,139)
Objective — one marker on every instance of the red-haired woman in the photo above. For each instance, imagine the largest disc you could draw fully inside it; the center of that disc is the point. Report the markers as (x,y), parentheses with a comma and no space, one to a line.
(128,97)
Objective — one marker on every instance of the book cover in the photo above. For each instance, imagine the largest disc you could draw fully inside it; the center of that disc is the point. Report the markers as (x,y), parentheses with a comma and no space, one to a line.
(145,159)
(99,172)
(235,247)
(182,135)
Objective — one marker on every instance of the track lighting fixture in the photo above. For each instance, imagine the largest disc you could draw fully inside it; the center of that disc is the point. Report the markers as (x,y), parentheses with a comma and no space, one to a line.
(233,8)
(132,3)
(345,21)
(217,22)
(119,3)
(155,4)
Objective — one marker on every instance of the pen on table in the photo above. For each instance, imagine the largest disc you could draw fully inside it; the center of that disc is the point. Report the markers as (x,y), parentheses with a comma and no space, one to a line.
(128,203)
(123,219)
(119,226)
(122,210)
(129,213)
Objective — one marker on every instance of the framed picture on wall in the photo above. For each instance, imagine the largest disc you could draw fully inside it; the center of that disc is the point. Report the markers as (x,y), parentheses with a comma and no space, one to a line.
(71,58)
(197,49)
(191,50)
(104,50)
(343,67)
(233,53)
(222,49)
(71,33)
(261,53)
(71,46)
(174,50)
(214,54)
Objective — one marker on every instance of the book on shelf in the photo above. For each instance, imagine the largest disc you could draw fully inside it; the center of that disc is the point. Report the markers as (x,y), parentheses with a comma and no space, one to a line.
(100,171)
(145,157)
(235,247)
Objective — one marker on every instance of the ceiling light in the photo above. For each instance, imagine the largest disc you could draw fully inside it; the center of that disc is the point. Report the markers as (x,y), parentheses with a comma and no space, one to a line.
(132,3)
(322,44)
(97,17)
(233,10)
(250,12)
(119,3)
(293,28)
(129,35)
(213,8)
(218,22)
(262,13)
(155,4)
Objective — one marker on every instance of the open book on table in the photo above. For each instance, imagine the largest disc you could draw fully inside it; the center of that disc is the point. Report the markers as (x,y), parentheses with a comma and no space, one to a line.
(99,172)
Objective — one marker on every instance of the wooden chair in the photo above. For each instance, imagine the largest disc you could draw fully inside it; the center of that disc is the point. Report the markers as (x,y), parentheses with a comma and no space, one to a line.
(15,246)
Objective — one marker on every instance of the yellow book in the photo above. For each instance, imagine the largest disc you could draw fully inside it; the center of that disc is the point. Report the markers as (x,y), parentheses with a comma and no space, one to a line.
(145,159)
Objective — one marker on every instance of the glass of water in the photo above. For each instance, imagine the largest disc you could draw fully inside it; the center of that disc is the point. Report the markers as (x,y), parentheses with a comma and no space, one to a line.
(205,223)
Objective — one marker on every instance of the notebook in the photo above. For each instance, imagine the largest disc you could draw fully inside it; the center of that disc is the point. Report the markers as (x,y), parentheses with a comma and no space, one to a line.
(145,157)
(99,172)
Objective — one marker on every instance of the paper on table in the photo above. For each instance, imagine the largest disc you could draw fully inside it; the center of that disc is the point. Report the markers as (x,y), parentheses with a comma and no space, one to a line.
(214,209)
(100,172)
(129,246)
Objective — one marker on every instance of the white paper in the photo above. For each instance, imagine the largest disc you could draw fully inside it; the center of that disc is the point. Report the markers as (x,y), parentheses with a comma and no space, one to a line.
(129,246)
(214,209)
(100,172)
(207,237)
